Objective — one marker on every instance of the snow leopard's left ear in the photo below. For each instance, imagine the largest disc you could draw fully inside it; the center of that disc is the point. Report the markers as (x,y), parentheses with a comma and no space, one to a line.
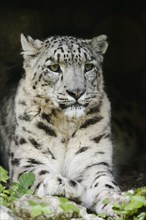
(99,44)
(30,47)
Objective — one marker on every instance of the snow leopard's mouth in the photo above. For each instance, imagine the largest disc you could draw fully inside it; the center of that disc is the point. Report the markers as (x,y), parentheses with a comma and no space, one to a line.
(75,110)
(73,106)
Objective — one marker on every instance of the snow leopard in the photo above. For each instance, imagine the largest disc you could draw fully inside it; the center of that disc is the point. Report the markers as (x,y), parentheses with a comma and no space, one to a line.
(57,122)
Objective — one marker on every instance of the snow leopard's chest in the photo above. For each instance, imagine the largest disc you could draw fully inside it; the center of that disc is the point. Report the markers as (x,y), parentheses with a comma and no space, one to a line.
(51,135)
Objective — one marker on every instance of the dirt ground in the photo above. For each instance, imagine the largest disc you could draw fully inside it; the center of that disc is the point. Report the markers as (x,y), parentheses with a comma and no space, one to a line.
(135,176)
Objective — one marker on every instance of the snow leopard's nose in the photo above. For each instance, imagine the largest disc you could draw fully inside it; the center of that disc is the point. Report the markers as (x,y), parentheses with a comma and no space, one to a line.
(76,94)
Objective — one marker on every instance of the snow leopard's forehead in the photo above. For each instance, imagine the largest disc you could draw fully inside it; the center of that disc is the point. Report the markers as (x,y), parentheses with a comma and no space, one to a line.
(68,49)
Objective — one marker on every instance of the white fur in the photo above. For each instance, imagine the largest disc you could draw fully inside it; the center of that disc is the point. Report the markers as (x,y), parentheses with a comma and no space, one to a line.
(74,112)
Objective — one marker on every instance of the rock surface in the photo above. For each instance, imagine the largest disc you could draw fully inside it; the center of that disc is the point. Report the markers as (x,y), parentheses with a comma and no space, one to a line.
(23,210)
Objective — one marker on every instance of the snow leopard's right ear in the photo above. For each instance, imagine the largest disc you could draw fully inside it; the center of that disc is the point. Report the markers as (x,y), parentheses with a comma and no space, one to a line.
(30,47)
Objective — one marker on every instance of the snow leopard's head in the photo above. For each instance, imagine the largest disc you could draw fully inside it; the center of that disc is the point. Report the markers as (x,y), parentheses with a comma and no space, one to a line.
(66,70)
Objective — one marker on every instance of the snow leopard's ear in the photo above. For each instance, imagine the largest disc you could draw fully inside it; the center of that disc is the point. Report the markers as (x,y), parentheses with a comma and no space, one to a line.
(99,44)
(30,47)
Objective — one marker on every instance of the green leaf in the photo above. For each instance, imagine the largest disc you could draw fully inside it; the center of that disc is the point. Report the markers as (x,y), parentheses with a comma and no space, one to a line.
(26,180)
(32,203)
(63,200)
(36,211)
(136,202)
(140,191)
(46,210)
(102,215)
(2,188)
(66,207)
(38,208)
(3,175)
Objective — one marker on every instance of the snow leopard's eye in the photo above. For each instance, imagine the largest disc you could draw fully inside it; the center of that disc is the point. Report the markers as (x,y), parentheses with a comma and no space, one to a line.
(54,67)
(88,67)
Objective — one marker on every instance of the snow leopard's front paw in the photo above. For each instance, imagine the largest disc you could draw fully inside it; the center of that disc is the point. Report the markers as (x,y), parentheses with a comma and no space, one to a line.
(73,190)
(51,185)
(60,186)
(106,201)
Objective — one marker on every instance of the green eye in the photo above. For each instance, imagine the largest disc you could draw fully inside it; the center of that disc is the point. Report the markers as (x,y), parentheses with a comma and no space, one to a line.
(88,67)
(54,67)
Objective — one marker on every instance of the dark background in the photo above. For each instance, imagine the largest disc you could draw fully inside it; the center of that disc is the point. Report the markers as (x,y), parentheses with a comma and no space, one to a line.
(124,22)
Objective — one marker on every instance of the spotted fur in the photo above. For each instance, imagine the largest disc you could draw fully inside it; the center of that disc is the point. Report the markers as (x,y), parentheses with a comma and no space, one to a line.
(57,123)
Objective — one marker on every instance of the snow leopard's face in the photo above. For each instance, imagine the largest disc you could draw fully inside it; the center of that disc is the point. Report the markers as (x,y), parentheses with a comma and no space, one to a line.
(66,70)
